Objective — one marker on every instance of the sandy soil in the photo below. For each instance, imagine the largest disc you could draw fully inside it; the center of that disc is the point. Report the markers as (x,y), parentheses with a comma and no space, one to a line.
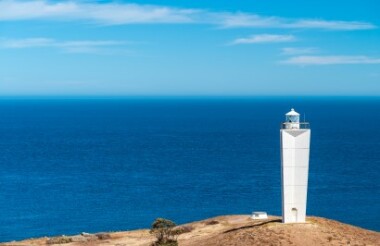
(236,230)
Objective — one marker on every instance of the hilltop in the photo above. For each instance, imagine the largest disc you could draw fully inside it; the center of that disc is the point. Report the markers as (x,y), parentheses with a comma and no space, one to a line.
(232,230)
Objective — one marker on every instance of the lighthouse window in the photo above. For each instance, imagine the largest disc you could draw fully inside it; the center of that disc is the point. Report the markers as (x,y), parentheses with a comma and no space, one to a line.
(292,118)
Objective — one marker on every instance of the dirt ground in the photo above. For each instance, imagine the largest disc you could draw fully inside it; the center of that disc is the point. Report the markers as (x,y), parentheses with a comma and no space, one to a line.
(233,230)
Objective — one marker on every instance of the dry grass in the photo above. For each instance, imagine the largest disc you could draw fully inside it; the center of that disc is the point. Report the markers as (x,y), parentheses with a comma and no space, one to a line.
(236,230)
(59,240)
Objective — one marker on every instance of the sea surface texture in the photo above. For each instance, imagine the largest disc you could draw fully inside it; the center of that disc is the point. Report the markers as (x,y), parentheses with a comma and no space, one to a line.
(89,165)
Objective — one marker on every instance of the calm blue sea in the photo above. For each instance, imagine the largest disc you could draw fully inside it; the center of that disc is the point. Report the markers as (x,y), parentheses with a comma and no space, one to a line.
(89,165)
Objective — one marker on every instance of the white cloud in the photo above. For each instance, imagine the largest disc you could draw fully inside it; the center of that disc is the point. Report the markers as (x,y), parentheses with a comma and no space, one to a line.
(251,20)
(264,38)
(105,13)
(76,46)
(26,43)
(126,13)
(331,25)
(232,20)
(298,51)
(330,60)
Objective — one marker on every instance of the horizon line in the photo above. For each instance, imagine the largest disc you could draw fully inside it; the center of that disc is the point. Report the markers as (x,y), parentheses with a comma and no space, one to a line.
(75,96)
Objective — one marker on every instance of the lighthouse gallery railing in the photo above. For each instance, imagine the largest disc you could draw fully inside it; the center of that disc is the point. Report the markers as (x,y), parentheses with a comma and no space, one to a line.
(294,125)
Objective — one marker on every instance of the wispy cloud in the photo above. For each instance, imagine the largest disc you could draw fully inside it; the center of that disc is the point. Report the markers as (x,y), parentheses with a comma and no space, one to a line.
(126,13)
(298,51)
(104,13)
(264,38)
(75,46)
(233,20)
(331,60)
(26,43)
(252,20)
(331,25)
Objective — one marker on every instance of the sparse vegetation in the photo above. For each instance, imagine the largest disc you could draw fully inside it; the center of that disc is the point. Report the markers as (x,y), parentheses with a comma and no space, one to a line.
(164,231)
(211,222)
(103,236)
(231,230)
(178,230)
(59,240)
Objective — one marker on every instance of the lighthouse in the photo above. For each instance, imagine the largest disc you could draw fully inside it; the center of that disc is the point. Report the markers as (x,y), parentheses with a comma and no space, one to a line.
(295,148)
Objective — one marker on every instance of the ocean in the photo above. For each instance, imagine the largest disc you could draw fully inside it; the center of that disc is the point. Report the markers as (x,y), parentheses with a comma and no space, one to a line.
(72,165)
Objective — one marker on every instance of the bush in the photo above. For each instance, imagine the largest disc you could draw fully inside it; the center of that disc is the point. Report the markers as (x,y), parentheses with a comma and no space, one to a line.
(103,236)
(178,230)
(163,230)
(169,243)
(59,240)
(211,222)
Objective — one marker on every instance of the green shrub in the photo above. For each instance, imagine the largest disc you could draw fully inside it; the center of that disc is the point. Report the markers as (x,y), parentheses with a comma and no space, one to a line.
(103,236)
(170,243)
(59,240)
(178,230)
(211,222)
(163,230)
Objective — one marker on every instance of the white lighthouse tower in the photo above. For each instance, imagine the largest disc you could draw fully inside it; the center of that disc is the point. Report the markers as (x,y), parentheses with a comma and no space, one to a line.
(295,146)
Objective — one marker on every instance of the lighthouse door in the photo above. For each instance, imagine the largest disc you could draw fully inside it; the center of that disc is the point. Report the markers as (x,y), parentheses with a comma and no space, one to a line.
(294,215)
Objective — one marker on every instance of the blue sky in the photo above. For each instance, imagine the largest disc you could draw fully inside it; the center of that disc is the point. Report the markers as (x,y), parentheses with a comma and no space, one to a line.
(190,47)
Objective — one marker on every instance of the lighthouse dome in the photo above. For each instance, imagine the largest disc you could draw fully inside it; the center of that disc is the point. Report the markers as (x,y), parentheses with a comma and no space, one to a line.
(292,112)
